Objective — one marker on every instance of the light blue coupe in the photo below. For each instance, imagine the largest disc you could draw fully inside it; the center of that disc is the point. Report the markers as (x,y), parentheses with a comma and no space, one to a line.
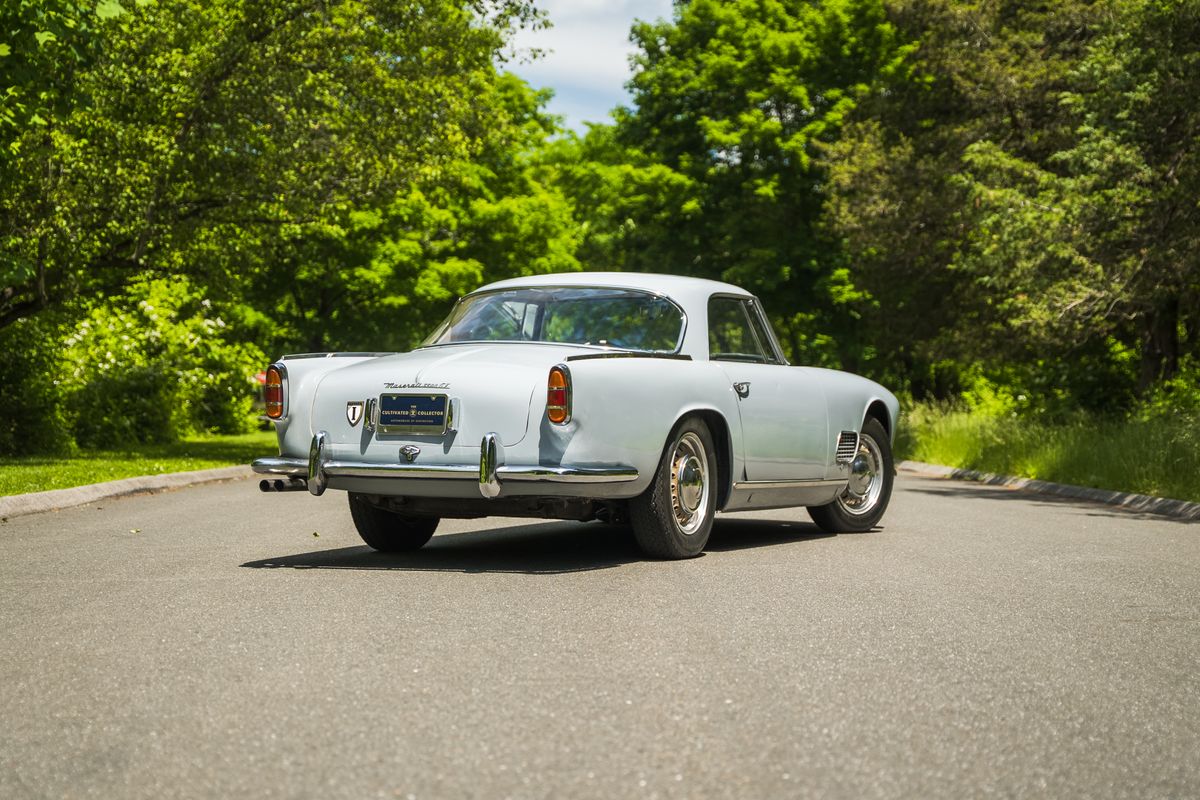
(655,399)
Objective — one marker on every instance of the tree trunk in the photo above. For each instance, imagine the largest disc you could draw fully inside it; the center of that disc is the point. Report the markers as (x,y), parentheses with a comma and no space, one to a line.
(1160,344)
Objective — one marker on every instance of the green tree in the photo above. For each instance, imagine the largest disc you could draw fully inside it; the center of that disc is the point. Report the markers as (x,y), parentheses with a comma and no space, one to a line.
(1099,240)
(213,129)
(43,44)
(986,75)
(382,275)
(731,103)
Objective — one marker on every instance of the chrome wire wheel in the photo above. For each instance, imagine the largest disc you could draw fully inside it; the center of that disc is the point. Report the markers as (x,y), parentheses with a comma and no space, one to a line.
(689,483)
(865,488)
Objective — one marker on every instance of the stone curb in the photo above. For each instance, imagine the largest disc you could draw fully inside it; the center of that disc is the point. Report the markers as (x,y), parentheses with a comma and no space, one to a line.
(1144,503)
(20,504)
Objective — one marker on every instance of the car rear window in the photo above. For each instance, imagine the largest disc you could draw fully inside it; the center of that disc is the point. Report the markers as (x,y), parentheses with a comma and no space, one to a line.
(621,318)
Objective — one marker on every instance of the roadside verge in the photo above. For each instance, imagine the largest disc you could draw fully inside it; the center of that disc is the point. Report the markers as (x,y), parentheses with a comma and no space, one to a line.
(20,504)
(1143,503)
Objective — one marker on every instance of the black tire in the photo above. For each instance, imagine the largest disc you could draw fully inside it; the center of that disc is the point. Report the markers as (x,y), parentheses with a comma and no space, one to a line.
(860,507)
(388,531)
(674,516)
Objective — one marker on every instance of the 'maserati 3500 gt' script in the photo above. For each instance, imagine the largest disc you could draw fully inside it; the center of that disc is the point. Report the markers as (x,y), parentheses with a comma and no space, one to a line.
(653,399)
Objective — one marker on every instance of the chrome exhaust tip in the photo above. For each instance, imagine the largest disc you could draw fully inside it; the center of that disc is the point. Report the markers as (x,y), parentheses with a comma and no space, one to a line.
(293,485)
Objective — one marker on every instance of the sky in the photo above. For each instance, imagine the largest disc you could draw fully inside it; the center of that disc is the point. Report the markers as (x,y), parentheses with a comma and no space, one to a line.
(586,63)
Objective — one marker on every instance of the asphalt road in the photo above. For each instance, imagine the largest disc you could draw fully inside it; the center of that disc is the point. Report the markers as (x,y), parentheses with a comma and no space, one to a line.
(204,643)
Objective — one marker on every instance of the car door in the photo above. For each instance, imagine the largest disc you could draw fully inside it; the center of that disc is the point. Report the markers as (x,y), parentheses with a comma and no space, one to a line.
(785,430)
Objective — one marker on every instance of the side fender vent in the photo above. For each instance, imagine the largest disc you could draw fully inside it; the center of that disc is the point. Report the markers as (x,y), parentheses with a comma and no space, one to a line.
(847,446)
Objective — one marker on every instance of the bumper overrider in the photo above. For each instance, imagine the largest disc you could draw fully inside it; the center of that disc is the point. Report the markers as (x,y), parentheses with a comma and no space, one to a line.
(491,473)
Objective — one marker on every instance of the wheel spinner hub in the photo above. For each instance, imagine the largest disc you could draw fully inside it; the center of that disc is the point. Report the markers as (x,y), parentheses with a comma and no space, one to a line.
(862,472)
(689,483)
(865,487)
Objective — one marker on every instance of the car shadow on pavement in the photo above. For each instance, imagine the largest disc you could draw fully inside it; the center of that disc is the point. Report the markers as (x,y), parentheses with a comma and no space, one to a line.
(732,533)
(545,548)
(1091,508)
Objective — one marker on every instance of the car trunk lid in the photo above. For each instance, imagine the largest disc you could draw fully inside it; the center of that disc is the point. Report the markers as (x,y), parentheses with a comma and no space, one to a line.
(483,387)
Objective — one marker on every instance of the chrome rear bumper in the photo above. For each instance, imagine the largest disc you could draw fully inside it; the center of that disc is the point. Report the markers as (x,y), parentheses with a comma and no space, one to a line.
(490,473)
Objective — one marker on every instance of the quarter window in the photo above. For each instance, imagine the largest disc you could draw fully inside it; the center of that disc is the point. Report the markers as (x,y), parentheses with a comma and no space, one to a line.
(731,335)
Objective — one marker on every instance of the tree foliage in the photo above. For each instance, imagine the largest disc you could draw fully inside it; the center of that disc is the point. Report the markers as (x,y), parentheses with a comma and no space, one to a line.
(214,129)
(732,103)
(994,200)
(316,174)
(1028,198)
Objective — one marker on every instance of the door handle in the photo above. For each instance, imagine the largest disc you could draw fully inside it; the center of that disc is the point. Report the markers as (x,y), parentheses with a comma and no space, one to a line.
(742,388)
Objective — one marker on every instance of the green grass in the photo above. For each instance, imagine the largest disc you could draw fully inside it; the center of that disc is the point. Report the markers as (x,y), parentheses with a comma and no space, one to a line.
(40,473)
(1156,457)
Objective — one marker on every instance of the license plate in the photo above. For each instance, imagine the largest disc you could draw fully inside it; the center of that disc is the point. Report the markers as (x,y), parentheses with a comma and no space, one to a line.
(412,413)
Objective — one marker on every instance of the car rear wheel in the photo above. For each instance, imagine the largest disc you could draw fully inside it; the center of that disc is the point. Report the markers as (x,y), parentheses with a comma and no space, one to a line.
(673,518)
(388,531)
(860,507)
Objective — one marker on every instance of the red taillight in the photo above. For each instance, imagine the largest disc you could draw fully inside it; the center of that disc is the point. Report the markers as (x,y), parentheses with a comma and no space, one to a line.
(558,396)
(273,392)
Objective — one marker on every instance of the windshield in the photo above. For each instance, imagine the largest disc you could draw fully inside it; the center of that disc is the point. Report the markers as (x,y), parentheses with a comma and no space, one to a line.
(623,318)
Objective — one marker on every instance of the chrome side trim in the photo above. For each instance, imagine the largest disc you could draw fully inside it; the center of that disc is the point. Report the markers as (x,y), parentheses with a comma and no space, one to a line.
(809,484)
(279,465)
(568,474)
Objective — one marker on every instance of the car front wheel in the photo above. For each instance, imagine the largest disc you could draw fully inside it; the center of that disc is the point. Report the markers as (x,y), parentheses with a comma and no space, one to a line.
(861,505)
(388,531)
(673,518)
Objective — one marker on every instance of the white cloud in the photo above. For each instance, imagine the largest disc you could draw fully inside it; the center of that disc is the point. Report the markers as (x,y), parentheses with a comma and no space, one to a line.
(587,63)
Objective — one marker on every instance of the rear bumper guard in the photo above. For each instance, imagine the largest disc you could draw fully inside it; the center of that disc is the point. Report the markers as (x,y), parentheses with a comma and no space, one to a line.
(491,472)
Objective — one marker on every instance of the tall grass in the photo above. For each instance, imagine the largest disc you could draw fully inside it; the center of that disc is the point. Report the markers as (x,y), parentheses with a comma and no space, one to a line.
(1158,456)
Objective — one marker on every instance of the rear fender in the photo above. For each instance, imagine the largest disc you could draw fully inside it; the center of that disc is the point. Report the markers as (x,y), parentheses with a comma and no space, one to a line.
(303,374)
(624,410)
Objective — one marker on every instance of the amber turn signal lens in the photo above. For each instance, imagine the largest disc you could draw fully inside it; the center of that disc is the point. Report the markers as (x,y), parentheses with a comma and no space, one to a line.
(273,393)
(558,396)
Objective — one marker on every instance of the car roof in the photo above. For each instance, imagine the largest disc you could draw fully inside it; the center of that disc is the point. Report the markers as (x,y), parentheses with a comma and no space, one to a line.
(682,289)
(690,294)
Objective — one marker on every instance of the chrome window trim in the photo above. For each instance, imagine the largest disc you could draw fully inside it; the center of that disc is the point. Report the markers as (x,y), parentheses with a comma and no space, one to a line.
(683,319)
(766,325)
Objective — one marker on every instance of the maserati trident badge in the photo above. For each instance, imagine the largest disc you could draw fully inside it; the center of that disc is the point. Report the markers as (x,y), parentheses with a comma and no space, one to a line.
(354,412)
(410,452)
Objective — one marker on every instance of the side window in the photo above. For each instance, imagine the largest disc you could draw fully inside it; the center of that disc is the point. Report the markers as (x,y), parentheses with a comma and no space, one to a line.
(758,322)
(730,336)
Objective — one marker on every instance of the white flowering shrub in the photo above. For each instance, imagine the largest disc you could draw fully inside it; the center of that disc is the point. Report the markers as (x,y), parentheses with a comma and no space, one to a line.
(155,364)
